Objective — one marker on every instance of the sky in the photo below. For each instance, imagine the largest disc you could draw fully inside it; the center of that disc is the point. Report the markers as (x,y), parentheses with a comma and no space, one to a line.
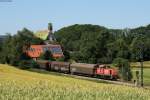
(36,14)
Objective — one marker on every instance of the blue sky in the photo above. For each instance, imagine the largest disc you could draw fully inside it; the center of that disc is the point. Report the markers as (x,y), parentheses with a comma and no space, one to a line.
(35,14)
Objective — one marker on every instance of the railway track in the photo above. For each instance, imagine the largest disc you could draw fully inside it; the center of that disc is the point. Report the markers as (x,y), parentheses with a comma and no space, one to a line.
(109,81)
(88,78)
(101,80)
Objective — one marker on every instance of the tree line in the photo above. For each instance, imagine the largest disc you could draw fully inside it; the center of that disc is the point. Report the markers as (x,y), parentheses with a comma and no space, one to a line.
(96,44)
(12,49)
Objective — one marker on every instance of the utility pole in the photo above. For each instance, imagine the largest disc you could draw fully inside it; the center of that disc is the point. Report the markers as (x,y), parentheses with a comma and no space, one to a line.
(141,62)
(141,73)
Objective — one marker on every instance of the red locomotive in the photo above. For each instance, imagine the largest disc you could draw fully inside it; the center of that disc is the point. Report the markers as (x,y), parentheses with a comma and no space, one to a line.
(106,72)
(94,70)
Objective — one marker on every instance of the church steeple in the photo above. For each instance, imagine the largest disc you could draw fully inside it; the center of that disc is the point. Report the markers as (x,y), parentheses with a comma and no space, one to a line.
(50,33)
(50,27)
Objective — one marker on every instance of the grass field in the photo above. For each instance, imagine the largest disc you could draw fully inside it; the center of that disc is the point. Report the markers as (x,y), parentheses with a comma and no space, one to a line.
(136,66)
(146,75)
(18,84)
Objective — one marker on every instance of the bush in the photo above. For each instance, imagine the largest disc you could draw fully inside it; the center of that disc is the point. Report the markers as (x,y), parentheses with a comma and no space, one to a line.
(124,68)
(47,55)
(66,55)
(34,64)
(26,64)
(2,60)
(13,62)
(60,59)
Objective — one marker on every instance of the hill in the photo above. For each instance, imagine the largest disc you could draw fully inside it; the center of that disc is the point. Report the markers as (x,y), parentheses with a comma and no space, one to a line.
(96,44)
(16,84)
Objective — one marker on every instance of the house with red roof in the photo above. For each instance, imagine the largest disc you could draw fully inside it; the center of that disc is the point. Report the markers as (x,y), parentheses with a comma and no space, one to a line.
(35,51)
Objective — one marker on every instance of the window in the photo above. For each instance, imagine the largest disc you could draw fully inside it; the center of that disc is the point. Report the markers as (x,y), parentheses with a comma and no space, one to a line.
(56,50)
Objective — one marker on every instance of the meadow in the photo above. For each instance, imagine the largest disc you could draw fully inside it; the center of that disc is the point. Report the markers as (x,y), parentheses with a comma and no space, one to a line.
(136,67)
(16,84)
(137,64)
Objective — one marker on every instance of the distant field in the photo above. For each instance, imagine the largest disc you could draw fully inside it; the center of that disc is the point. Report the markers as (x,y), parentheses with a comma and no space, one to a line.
(146,75)
(18,84)
(137,64)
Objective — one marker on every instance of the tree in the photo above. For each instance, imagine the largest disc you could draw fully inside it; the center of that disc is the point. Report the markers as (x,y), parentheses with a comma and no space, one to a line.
(14,46)
(47,55)
(140,44)
(5,50)
(124,68)
(66,55)
(121,48)
(86,43)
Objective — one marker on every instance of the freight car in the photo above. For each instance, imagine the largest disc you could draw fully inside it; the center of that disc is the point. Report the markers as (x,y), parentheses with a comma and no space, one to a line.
(94,70)
(84,69)
(44,64)
(60,66)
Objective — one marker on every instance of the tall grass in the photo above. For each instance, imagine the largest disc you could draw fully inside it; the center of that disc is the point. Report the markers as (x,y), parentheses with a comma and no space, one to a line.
(17,84)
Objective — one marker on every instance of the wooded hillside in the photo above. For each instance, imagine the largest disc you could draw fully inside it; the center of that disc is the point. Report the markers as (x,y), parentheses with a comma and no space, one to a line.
(97,44)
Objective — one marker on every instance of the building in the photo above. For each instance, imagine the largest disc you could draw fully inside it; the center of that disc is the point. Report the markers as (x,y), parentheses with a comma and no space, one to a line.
(46,35)
(35,51)
(42,34)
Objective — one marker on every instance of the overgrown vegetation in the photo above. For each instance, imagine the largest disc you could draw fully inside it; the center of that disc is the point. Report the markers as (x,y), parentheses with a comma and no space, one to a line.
(124,68)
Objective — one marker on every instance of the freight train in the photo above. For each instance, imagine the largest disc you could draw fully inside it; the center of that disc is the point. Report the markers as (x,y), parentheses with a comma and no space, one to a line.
(90,70)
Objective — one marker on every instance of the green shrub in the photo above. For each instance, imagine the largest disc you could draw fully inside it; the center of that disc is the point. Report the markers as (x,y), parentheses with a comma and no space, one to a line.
(26,64)
(47,55)
(124,68)
(60,59)
(14,62)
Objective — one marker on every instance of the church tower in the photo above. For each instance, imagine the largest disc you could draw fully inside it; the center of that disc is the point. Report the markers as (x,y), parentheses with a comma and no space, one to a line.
(51,36)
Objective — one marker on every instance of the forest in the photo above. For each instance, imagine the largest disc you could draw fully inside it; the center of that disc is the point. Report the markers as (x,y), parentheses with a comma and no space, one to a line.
(97,44)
